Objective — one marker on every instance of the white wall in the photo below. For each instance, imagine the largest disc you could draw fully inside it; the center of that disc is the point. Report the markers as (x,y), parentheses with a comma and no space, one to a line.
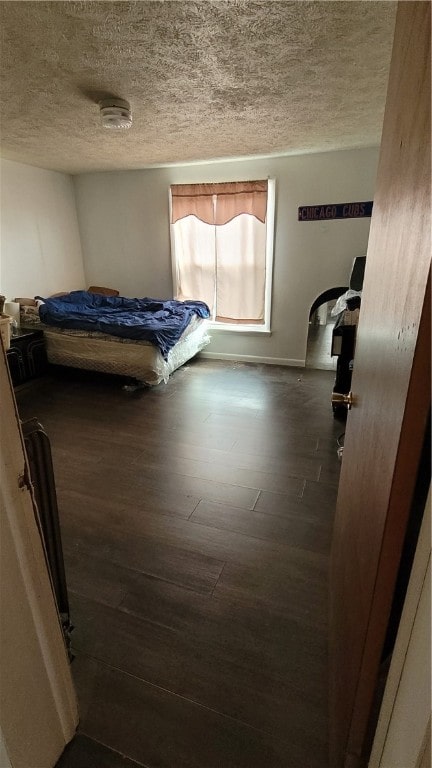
(40,241)
(124,226)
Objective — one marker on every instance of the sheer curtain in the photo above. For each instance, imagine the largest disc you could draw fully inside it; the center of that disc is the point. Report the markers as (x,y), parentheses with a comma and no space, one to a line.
(219,240)
(195,260)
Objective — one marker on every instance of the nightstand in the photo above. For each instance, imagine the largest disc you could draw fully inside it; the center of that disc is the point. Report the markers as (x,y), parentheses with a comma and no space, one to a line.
(26,356)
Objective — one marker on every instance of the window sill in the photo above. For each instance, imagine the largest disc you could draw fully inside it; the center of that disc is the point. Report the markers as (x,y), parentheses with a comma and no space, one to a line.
(233,328)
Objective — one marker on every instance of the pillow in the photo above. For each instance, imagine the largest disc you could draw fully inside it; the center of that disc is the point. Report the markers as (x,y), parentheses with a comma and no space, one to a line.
(103,291)
(29,314)
(26,302)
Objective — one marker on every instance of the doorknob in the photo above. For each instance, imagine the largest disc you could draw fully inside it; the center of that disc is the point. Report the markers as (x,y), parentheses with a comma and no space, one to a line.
(338,398)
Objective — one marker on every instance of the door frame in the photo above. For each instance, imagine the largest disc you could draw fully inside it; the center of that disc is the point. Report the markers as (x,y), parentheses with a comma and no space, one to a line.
(38,708)
(404,719)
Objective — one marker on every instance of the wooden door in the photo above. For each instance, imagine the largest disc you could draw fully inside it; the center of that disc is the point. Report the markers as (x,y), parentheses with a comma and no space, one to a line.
(386,427)
(38,709)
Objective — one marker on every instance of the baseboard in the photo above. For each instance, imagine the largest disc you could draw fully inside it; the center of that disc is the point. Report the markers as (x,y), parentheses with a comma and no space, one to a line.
(254,359)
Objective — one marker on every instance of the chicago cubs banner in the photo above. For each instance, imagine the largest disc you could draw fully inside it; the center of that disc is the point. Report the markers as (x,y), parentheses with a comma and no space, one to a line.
(328,211)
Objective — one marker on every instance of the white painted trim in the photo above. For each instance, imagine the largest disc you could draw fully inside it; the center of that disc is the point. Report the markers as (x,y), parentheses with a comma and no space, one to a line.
(251,330)
(270,228)
(254,359)
(4,757)
(405,715)
(174,268)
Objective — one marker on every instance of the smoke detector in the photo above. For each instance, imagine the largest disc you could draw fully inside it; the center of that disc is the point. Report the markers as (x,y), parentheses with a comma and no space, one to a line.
(115,114)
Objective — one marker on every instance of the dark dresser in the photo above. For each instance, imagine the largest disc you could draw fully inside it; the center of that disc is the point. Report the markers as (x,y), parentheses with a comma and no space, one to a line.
(26,356)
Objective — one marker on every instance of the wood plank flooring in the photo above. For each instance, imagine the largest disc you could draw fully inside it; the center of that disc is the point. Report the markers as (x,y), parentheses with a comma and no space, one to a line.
(196,520)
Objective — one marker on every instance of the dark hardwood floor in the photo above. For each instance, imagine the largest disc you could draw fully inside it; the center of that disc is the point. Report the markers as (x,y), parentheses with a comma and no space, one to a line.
(196,520)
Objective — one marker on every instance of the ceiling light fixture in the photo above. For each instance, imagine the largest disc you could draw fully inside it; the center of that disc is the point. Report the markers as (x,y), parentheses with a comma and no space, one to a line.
(115,114)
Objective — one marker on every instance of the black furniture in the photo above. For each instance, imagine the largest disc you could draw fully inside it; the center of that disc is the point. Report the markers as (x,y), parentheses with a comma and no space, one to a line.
(357,273)
(344,336)
(47,517)
(26,356)
(343,345)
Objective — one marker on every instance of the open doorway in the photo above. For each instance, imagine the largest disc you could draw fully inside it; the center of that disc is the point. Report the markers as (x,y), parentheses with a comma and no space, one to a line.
(321,324)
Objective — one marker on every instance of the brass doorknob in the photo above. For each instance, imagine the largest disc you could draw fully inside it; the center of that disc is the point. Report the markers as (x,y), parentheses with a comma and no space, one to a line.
(338,398)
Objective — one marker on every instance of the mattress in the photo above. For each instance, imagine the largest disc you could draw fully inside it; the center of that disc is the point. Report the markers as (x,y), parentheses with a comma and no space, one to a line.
(140,360)
(159,321)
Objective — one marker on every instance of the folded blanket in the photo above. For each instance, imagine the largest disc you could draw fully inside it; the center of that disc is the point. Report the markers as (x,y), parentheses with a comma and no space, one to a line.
(160,322)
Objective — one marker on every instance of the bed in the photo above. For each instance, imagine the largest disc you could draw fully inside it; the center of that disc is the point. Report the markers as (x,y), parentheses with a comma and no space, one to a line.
(179,330)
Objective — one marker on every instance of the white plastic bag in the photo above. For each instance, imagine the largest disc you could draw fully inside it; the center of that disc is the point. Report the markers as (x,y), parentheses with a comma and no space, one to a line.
(341,304)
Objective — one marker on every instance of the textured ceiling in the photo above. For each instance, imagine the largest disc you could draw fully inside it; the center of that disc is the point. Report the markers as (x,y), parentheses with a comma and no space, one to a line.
(205,79)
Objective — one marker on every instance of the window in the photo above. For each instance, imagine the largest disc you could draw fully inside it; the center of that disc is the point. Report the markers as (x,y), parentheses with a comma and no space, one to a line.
(222,250)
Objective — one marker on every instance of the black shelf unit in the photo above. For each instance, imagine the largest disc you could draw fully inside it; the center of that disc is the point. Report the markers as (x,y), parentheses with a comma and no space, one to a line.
(344,337)
(343,345)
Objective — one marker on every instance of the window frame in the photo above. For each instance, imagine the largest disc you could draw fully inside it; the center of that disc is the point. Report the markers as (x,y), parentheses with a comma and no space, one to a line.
(253,328)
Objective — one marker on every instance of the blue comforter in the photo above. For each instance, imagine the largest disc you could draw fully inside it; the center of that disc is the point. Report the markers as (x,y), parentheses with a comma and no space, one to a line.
(160,322)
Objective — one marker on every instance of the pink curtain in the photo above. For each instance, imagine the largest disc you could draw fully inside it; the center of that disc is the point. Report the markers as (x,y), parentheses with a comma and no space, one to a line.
(192,200)
(219,203)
